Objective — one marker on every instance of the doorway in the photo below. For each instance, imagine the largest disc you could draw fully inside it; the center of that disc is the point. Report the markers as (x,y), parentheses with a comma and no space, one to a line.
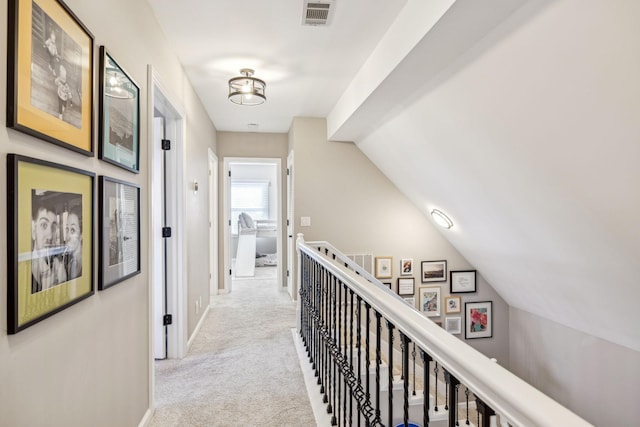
(252,187)
(166,206)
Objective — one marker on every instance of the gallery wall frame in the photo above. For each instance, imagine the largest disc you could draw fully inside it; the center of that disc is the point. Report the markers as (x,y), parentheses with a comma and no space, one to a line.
(462,281)
(433,271)
(406,267)
(406,285)
(383,267)
(478,319)
(453,325)
(452,304)
(50,217)
(430,300)
(119,115)
(50,74)
(119,237)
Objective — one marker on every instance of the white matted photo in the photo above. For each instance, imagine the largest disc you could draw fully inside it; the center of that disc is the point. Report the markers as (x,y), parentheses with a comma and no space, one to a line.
(453,325)
(430,301)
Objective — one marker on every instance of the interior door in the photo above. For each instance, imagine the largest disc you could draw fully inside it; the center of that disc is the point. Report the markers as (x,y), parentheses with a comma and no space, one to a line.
(158,252)
(291,243)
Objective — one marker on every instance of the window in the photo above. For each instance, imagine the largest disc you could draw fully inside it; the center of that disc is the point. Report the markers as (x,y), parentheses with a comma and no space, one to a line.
(251,197)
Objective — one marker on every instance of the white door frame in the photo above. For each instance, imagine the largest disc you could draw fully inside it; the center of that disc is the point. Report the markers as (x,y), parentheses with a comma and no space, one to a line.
(213,223)
(227,214)
(158,100)
(291,241)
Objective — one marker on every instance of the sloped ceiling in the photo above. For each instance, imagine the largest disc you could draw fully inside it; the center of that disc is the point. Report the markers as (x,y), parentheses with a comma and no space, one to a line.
(528,137)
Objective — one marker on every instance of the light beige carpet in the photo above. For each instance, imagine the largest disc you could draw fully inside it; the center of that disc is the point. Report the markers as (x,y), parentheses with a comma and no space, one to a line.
(242,369)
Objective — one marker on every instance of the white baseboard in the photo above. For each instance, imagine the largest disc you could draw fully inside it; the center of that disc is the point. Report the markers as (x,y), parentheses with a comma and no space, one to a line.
(197,329)
(146,419)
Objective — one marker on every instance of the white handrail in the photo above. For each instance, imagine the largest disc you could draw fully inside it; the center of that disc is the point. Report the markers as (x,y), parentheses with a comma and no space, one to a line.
(513,399)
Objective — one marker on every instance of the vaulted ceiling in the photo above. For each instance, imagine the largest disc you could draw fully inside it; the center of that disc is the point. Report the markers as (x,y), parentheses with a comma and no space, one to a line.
(519,119)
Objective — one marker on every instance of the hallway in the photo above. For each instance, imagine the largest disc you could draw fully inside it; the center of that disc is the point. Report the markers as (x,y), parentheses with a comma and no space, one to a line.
(242,368)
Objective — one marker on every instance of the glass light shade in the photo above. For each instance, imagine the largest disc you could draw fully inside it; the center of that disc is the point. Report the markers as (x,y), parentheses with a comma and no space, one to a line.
(441,219)
(247,90)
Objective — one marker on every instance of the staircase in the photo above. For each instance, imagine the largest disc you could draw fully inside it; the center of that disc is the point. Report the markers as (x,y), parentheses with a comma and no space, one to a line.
(353,329)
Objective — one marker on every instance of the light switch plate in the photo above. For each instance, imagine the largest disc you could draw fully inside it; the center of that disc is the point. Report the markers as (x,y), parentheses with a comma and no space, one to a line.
(305,221)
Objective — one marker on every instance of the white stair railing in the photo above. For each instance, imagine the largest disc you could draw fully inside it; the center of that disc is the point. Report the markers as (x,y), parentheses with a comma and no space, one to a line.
(339,303)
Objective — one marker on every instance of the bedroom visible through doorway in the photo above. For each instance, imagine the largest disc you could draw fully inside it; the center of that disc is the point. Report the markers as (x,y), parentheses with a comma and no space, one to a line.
(254,217)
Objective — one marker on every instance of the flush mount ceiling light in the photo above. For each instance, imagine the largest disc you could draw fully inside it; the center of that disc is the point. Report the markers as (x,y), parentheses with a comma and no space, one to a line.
(441,219)
(247,90)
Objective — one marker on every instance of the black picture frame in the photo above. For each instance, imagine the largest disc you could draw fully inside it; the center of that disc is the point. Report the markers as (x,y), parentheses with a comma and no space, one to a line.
(462,281)
(119,112)
(50,86)
(433,271)
(50,236)
(478,319)
(406,285)
(119,236)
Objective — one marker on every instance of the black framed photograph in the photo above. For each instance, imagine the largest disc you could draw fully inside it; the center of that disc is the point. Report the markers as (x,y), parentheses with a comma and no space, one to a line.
(406,286)
(434,271)
(50,74)
(50,210)
(119,115)
(463,281)
(478,319)
(119,253)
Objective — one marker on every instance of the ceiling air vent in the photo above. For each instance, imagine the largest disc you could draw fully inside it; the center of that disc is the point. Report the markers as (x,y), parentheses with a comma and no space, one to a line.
(317,12)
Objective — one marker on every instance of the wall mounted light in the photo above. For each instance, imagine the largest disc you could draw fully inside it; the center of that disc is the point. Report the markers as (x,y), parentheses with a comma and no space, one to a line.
(441,219)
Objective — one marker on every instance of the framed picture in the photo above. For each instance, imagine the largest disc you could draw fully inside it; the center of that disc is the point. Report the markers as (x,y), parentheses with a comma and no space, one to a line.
(410,301)
(434,271)
(119,115)
(478,320)
(406,267)
(383,267)
(430,301)
(50,239)
(50,74)
(387,284)
(119,253)
(452,304)
(453,325)
(462,281)
(406,286)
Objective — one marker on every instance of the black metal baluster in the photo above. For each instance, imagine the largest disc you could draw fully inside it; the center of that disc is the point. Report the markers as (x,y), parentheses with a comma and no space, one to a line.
(378,362)
(446,391)
(452,382)
(426,360)
(466,394)
(328,343)
(345,353)
(390,327)
(339,334)
(405,374)
(334,330)
(322,376)
(435,373)
(367,360)
(413,355)
(351,358)
(359,344)
(486,411)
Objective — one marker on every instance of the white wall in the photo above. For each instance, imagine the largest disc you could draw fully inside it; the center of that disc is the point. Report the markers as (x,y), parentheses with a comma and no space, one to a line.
(90,363)
(596,378)
(354,207)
